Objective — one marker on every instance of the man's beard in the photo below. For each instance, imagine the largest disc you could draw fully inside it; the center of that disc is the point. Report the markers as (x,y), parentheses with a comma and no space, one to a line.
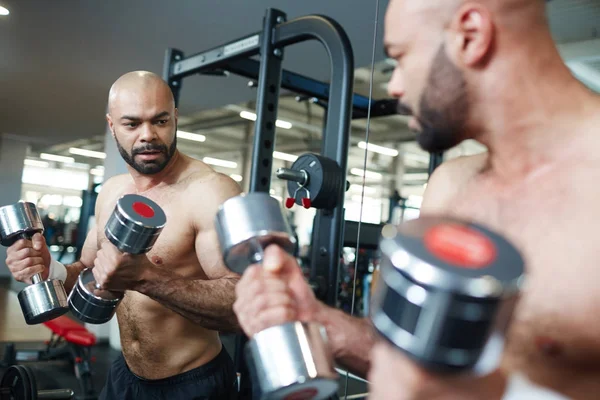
(148,167)
(443,108)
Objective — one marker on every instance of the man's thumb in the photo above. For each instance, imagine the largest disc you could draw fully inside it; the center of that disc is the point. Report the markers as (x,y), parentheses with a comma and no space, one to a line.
(275,259)
(38,241)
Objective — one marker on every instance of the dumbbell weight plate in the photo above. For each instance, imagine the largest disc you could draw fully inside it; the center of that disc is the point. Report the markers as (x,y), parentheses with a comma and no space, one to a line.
(16,384)
(446,288)
(135,224)
(43,301)
(292,362)
(248,223)
(17,220)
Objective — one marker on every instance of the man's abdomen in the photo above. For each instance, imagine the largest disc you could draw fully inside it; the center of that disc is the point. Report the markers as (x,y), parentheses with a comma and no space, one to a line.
(158,343)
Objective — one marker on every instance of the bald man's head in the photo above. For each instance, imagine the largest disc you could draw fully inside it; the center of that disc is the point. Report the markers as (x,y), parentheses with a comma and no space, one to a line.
(138,83)
(442,48)
(143,120)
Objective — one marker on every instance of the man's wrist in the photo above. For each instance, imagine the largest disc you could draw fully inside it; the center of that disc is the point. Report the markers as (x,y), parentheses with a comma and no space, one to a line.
(57,270)
(325,316)
(147,279)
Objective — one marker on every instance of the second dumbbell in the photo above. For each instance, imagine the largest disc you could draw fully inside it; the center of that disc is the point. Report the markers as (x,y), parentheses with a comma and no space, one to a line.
(133,227)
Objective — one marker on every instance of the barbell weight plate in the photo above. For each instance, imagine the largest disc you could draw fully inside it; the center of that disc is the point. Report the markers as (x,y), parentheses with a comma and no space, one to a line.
(17,381)
(324,183)
(32,381)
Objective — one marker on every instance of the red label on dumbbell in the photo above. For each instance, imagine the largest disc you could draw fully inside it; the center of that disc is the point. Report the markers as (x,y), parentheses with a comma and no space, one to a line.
(304,394)
(143,209)
(460,246)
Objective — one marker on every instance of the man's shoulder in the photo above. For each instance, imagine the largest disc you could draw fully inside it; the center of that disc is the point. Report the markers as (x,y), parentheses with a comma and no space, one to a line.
(461,168)
(448,179)
(115,182)
(210,180)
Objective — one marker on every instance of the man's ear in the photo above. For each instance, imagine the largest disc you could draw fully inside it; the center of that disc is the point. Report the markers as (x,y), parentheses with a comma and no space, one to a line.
(110,124)
(471,35)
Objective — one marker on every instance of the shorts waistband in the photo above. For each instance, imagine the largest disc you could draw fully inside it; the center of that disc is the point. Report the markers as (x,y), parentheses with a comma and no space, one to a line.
(195,374)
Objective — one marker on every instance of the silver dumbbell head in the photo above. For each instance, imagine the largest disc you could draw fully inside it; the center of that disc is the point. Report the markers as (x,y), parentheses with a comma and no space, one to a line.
(292,361)
(248,223)
(445,288)
(19,219)
(43,301)
(135,224)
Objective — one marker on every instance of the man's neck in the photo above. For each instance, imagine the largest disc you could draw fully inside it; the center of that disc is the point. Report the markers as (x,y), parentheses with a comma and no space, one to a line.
(535,120)
(144,183)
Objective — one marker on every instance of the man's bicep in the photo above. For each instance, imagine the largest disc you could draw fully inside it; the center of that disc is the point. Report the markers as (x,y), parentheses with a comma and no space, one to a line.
(208,247)
(90,248)
(210,255)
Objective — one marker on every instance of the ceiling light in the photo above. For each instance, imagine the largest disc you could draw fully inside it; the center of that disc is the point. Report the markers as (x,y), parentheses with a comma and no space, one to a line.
(284,156)
(37,163)
(219,162)
(236,177)
(366,174)
(191,136)
(279,123)
(4,11)
(87,153)
(378,149)
(283,124)
(97,172)
(54,157)
(359,189)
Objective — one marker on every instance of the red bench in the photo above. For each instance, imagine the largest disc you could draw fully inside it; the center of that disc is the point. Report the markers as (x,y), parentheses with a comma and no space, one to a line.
(71,331)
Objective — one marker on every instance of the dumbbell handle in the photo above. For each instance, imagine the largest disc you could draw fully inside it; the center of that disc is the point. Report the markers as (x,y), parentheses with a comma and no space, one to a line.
(57,394)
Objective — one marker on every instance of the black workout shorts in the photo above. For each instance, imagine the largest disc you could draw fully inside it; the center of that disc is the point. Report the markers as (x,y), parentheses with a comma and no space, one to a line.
(214,380)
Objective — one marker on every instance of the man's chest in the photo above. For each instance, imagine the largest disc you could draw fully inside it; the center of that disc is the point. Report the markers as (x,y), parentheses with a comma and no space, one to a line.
(175,246)
(553,225)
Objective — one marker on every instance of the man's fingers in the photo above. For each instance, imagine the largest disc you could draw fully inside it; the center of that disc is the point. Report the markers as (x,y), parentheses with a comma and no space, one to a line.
(18,246)
(277,260)
(275,316)
(38,241)
(25,275)
(22,254)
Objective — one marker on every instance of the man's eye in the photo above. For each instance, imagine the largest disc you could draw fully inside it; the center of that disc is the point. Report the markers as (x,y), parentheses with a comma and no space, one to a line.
(132,125)
(162,121)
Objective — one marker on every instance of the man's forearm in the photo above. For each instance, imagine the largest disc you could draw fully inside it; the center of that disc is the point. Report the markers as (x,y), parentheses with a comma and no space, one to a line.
(351,339)
(206,302)
(73,271)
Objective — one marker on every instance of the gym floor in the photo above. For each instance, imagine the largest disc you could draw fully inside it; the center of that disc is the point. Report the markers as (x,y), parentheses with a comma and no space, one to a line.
(60,374)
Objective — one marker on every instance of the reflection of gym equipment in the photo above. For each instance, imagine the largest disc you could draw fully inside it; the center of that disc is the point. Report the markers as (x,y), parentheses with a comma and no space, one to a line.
(69,341)
(19,383)
(42,300)
(290,360)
